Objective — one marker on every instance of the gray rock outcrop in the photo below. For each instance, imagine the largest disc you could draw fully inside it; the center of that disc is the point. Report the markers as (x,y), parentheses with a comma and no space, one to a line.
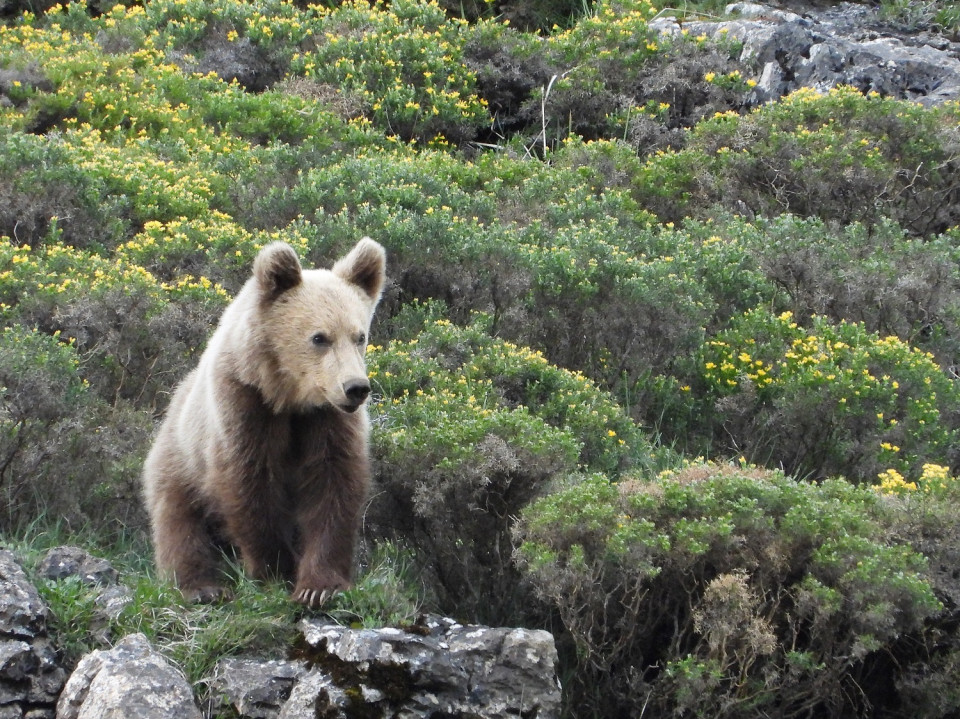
(130,681)
(438,668)
(30,677)
(844,45)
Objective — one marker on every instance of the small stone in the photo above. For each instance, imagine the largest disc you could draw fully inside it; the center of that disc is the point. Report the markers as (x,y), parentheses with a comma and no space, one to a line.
(63,562)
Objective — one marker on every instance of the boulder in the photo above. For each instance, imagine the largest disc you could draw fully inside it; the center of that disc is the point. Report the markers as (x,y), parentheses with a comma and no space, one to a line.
(436,668)
(130,681)
(62,562)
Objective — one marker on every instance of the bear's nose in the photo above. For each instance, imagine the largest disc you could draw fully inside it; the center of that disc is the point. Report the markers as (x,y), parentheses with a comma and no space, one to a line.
(357,390)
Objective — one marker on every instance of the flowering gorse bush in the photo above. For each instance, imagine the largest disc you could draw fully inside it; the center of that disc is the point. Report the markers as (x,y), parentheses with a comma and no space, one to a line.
(405,60)
(470,429)
(933,479)
(834,155)
(827,398)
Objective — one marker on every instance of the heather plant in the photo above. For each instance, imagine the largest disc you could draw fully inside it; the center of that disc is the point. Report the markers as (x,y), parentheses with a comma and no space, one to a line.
(62,450)
(42,187)
(725,590)
(134,333)
(827,398)
(923,512)
(877,275)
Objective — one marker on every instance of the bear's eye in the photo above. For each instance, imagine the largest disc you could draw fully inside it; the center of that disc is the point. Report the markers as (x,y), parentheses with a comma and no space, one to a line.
(362,340)
(320,340)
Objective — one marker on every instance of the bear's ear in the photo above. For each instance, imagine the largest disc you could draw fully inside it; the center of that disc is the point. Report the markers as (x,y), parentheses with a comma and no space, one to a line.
(277,269)
(365,267)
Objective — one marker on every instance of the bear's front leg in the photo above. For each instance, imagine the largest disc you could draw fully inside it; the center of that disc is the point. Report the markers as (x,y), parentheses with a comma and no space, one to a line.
(184,549)
(328,533)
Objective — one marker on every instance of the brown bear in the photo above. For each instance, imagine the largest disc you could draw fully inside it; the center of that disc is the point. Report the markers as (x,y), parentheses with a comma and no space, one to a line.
(264,445)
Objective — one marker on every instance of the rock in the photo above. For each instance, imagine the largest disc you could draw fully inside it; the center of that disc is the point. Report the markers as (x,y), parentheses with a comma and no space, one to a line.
(317,695)
(437,668)
(843,45)
(62,562)
(30,675)
(256,689)
(130,681)
(112,601)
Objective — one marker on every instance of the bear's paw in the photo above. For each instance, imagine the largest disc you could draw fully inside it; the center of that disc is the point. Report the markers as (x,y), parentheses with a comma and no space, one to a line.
(315,592)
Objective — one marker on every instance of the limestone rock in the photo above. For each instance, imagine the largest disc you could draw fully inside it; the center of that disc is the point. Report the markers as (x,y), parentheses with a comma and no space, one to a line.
(22,612)
(439,668)
(130,681)
(436,668)
(253,688)
(845,44)
(30,675)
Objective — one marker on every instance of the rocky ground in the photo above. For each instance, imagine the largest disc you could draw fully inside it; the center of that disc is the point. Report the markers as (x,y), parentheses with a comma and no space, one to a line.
(435,666)
(845,44)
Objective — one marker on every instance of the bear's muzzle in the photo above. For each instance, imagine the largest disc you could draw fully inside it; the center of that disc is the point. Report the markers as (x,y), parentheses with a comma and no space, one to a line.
(356,392)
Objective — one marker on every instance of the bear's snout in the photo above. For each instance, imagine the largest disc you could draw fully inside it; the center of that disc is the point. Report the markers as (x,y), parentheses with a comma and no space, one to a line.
(356,391)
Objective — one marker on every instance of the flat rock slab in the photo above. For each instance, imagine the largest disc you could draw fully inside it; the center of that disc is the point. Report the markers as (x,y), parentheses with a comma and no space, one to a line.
(436,668)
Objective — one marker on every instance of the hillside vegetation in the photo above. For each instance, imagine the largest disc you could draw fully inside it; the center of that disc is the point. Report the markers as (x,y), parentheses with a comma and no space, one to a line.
(664,371)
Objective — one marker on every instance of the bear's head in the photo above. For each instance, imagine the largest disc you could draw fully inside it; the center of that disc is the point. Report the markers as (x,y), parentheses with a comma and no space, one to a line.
(314,325)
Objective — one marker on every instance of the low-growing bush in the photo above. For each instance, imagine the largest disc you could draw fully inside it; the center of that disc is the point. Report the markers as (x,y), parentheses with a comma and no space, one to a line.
(404,59)
(136,336)
(839,155)
(728,591)
(876,275)
(827,399)
(43,193)
(63,452)
(468,430)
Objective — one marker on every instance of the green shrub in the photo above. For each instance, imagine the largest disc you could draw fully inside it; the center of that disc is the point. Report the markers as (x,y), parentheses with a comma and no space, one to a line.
(726,591)
(63,452)
(828,398)
(135,342)
(839,156)
(467,430)
(924,514)
(405,60)
(878,275)
(44,193)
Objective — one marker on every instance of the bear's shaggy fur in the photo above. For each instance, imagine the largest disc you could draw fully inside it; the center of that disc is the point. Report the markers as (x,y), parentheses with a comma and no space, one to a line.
(264,445)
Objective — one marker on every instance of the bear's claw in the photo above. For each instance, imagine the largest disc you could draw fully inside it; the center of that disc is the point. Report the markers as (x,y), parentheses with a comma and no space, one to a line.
(313,598)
